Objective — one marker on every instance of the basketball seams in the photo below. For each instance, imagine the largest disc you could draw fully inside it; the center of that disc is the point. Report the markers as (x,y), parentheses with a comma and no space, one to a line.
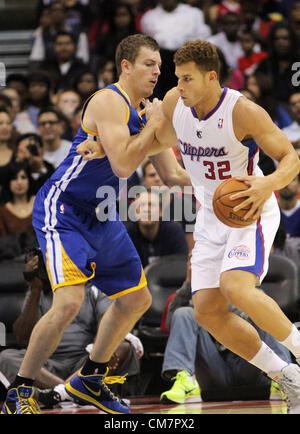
(218,211)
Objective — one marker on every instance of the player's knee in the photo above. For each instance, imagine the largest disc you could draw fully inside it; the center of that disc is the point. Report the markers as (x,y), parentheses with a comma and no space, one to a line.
(234,293)
(137,302)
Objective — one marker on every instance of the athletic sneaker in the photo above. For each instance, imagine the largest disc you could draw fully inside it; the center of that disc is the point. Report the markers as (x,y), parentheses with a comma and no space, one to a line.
(93,390)
(276,394)
(184,389)
(288,380)
(20,401)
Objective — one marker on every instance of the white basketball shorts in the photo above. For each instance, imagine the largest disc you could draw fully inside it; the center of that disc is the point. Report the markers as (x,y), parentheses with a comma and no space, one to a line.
(219,248)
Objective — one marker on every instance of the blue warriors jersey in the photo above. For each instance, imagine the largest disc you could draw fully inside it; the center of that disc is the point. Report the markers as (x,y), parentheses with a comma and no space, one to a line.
(76,245)
(79,180)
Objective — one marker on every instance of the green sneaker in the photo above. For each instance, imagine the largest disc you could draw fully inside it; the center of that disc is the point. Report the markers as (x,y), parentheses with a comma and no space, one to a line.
(184,389)
(276,393)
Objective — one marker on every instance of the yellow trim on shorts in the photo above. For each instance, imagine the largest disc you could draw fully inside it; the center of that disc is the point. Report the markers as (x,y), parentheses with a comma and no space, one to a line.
(142,284)
(72,274)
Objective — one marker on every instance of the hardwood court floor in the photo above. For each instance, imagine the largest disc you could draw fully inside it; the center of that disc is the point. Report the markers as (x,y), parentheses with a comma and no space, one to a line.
(152,405)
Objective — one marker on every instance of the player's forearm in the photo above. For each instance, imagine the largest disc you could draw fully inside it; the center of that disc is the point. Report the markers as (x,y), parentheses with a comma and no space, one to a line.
(287,169)
(135,151)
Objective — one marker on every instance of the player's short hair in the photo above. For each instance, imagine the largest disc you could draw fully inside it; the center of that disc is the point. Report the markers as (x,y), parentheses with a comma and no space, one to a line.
(203,53)
(129,48)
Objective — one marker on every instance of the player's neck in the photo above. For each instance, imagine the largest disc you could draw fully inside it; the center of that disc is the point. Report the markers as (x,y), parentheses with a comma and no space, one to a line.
(207,104)
(134,98)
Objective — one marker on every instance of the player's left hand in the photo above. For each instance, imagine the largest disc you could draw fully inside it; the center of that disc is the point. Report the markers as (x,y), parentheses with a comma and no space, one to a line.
(89,150)
(258,192)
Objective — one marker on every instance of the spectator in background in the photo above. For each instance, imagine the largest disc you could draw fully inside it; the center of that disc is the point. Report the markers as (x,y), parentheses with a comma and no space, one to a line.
(52,22)
(6,148)
(228,39)
(73,349)
(16,214)
(106,73)
(50,128)
(282,53)
(217,11)
(29,150)
(172,23)
(232,78)
(248,63)
(85,85)
(294,21)
(20,83)
(293,131)
(39,92)
(286,246)
(21,120)
(263,88)
(290,208)
(176,206)
(67,101)
(65,66)
(121,24)
(151,236)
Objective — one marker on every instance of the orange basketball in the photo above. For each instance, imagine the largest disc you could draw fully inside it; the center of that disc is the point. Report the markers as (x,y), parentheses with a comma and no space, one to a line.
(223,205)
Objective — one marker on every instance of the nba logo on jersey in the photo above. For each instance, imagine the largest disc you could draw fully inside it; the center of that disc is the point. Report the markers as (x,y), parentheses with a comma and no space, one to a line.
(220,123)
(62,208)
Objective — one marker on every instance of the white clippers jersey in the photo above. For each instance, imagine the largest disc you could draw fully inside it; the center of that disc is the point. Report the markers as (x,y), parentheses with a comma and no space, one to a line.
(211,153)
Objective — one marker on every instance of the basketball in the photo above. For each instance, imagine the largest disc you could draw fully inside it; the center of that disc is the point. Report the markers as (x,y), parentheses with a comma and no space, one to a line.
(223,205)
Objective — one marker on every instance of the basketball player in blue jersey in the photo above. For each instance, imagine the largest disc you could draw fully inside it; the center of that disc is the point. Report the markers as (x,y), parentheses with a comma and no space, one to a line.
(218,131)
(78,247)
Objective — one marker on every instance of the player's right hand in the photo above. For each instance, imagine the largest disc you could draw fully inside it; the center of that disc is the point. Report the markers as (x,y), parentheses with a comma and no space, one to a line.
(89,150)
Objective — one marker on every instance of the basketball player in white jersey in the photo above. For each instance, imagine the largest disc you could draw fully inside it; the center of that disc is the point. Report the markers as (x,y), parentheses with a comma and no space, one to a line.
(218,131)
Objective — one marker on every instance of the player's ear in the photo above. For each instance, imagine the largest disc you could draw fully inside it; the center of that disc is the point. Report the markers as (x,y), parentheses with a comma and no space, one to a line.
(212,75)
(125,66)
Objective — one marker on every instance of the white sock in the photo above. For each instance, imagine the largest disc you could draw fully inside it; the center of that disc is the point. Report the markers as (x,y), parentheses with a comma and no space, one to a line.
(60,388)
(292,342)
(266,360)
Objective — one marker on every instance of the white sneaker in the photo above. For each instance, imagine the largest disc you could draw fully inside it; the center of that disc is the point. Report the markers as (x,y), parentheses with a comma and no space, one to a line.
(288,380)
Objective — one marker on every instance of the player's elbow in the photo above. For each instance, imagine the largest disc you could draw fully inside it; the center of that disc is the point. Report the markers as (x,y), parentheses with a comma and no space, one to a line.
(122,171)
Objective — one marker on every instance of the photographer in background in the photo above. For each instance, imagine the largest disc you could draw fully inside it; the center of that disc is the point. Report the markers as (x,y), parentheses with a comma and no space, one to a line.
(29,149)
(76,341)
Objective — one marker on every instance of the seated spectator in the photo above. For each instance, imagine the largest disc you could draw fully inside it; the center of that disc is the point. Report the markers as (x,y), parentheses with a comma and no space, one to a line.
(65,66)
(67,101)
(21,119)
(29,150)
(177,207)
(282,54)
(290,208)
(293,131)
(16,214)
(232,78)
(217,11)
(6,147)
(248,63)
(75,344)
(228,40)
(52,22)
(151,236)
(50,128)
(220,374)
(20,83)
(39,95)
(106,73)
(172,23)
(286,246)
(262,86)
(85,85)
(121,24)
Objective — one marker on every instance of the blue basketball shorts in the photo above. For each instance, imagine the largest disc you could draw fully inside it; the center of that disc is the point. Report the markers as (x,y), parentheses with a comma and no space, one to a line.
(77,247)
